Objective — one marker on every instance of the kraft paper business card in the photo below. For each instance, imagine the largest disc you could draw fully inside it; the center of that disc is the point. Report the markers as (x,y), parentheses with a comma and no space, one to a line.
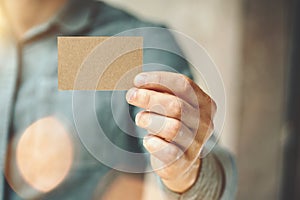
(98,63)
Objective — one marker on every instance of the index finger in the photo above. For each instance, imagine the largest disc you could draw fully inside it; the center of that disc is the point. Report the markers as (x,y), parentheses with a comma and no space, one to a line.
(175,84)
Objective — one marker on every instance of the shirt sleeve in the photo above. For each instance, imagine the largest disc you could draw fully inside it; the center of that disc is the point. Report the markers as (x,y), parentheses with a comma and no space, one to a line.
(217,179)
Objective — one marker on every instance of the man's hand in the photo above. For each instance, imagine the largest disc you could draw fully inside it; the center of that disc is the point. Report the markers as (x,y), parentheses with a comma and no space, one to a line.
(178,116)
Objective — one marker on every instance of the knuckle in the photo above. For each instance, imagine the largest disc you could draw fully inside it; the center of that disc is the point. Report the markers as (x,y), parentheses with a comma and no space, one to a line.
(143,97)
(213,107)
(175,106)
(186,83)
(211,104)
(207,98)
(173,128)
(157,78)
(211,127)
(173,153)
(141,119)
(182,77)
(208,128)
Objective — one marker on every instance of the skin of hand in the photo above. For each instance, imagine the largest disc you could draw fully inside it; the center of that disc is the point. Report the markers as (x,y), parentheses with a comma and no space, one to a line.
(178,116)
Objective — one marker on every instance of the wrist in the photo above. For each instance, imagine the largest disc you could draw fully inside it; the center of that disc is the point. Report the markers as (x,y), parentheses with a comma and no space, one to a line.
(184,182)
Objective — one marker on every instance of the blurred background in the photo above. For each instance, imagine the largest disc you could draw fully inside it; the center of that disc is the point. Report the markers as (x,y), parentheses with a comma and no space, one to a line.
(253,43)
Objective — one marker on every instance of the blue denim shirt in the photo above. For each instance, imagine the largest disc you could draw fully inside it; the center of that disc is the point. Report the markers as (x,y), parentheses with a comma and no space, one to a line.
(28,92)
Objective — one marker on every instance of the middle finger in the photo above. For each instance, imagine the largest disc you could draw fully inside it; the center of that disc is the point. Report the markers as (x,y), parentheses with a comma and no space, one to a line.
(164,104)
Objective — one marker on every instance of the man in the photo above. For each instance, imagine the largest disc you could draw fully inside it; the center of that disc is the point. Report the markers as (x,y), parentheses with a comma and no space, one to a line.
(28,91)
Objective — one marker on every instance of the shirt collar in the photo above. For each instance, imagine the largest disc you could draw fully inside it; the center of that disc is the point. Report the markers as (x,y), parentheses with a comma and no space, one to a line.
(73,17)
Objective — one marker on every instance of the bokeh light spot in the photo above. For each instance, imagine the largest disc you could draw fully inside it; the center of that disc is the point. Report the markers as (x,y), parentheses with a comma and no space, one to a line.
(45,154)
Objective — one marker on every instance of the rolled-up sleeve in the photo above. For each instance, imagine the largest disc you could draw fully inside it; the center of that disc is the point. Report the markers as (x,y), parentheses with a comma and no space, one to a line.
(217,179)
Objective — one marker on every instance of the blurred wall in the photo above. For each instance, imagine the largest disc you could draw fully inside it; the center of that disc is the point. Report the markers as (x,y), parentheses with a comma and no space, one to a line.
(264,66)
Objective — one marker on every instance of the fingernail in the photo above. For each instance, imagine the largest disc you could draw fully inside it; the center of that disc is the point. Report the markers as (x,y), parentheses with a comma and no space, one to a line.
(138,119)
(143,120)
(131,94)
(140,80)
(152,143)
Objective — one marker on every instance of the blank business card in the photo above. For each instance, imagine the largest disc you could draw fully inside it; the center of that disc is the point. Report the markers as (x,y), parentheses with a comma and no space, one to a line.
(98,63)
